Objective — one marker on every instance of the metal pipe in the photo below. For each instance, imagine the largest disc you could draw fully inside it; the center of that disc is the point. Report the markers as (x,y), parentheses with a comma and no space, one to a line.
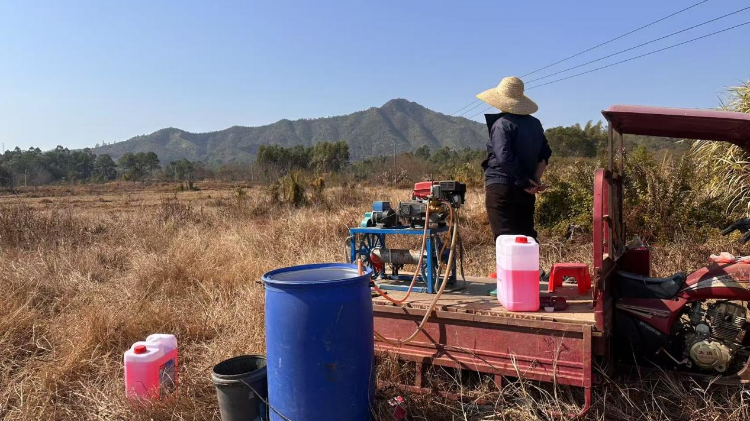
(397,256)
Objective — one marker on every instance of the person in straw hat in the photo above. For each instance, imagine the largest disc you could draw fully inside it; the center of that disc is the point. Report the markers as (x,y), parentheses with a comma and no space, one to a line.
(517,155)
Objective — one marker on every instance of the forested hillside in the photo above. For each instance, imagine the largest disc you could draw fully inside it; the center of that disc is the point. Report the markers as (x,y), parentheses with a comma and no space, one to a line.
(368,133)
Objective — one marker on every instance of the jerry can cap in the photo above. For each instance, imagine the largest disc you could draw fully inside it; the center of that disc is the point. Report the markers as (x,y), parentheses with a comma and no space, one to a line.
(522,240)
(139,349)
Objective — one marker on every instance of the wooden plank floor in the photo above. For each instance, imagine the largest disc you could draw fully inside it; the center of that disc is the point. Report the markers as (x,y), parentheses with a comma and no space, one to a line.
(474,298)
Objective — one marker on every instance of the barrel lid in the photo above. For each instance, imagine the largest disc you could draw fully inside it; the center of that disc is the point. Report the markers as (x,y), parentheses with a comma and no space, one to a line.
(316,274)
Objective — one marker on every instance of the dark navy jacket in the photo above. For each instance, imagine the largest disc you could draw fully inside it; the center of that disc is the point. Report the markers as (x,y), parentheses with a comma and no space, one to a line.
(517,144)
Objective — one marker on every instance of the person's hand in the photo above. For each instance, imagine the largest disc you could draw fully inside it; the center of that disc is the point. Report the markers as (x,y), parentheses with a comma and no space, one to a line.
(541,188)
(533,189)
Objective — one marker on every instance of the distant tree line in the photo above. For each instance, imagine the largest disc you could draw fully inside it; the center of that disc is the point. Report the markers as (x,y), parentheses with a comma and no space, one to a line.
(33,167)
(321,157)
(577,141)
(61,165)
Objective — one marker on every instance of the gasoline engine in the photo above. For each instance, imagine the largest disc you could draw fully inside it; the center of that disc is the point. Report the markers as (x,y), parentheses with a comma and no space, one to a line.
(437,196)
(432,204)
(714,334)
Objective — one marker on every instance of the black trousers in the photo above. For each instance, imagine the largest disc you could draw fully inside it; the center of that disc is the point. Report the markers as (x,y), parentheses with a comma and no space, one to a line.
(510,210)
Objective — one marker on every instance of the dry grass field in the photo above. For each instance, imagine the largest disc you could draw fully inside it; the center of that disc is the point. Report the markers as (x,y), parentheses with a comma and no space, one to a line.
(86,271)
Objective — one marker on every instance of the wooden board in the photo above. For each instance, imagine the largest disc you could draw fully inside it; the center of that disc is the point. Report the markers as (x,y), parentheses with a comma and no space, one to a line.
(473,297)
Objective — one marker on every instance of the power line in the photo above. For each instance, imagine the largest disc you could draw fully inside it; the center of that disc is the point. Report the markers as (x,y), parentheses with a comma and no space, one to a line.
(462,108)
(481,112)
(472,108)
(594,47)
(627,60)
(642,55)
(615,38)
(640,45)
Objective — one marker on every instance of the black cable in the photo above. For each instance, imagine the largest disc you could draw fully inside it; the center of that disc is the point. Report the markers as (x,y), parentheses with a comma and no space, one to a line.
(462,251)
(615,38)
(641,56)
(625,61)
(462,108)
(587,50)
(481,112)
(472,108)
(264,401)
(640,45)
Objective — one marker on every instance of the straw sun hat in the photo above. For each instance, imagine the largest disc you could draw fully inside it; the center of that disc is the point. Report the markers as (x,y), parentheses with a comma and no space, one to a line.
(509,97)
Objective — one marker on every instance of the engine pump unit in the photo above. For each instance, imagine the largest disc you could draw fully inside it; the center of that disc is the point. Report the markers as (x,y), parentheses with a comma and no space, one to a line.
(382,215)
(435,195)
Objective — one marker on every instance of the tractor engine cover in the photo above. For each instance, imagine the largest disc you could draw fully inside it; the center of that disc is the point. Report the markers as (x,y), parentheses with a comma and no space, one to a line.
(710,355)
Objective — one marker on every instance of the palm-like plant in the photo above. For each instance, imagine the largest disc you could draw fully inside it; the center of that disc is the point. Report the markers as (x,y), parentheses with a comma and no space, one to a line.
(726,166)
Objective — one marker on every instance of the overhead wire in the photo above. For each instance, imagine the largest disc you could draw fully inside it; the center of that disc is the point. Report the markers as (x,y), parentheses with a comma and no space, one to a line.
(462,108)
(642,55)
(481,112)
(470,109)
(626,60)
(589,49)
(615,38)
(640,45)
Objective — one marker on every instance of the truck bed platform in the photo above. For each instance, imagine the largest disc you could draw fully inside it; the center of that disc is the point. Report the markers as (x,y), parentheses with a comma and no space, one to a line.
(473,298)
(470,330)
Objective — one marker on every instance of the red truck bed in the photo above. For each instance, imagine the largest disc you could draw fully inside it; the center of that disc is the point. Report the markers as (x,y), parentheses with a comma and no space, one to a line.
(471,330)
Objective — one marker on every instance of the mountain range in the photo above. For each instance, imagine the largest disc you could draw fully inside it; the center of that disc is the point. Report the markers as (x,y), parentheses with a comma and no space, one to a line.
(369,133)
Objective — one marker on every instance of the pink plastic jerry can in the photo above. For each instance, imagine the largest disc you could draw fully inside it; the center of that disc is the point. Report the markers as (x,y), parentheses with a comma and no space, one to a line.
(151,367)
(517,272)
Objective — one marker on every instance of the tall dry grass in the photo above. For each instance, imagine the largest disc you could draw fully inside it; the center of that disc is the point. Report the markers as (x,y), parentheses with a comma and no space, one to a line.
(84,277)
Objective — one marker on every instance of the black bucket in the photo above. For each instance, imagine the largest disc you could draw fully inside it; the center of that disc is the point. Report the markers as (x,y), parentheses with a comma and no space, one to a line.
(238,382)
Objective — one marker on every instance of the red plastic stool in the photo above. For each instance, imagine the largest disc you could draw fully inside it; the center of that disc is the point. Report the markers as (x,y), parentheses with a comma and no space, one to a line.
(579,271)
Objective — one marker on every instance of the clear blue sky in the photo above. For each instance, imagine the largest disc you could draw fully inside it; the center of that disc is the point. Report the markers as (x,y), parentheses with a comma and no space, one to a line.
(77,73)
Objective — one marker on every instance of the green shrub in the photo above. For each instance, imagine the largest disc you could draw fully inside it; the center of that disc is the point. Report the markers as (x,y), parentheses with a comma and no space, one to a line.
(289,190)
(668,198)
(568,203)
(662,199)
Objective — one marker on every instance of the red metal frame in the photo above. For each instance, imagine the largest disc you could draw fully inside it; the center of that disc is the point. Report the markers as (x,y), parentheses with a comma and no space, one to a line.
(681,123)
(540,350)
(604,252)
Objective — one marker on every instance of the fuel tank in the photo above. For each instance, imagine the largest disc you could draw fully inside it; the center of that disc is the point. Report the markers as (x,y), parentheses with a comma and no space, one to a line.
(730,281)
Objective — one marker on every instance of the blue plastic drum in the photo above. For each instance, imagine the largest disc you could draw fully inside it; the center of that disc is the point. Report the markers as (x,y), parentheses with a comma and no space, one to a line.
(319,342)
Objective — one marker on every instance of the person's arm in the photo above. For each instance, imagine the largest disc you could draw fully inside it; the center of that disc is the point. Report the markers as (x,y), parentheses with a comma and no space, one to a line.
(540,167)
(502,136)
(544,154)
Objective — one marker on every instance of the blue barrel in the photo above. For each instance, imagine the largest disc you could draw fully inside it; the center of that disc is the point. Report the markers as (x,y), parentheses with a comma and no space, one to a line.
(319,343)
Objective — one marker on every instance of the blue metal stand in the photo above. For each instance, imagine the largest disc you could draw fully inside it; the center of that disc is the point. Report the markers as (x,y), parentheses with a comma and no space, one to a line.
(365,240)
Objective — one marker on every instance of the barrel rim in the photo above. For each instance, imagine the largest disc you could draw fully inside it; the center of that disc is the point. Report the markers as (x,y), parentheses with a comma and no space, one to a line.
(226,379)
(268,276)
